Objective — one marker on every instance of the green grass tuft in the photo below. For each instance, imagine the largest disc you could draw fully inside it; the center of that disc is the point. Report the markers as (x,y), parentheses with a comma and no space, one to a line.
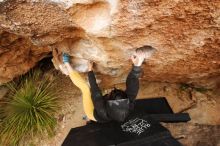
(29,109)
(184,86)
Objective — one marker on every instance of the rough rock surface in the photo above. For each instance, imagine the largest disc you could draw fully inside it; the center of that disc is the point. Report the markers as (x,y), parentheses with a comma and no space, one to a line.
(195,134)
(17,55)
(185,33)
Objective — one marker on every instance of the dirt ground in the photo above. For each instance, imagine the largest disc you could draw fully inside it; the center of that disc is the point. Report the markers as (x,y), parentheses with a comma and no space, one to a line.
(193,133)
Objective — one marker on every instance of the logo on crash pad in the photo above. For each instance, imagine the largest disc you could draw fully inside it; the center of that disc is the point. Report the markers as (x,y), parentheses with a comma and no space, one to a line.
(136,126)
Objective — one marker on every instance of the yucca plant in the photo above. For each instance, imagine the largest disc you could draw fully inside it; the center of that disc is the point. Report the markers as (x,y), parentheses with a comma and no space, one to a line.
(29,109)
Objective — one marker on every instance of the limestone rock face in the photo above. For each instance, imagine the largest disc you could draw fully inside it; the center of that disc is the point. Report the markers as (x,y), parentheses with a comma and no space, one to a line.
(185,33)
(17,55)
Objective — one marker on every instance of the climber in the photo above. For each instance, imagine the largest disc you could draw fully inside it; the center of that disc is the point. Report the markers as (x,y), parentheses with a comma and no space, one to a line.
(117,104)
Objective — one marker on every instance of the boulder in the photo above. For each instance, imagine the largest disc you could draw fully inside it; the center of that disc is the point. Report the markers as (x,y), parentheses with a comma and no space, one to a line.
(185,33)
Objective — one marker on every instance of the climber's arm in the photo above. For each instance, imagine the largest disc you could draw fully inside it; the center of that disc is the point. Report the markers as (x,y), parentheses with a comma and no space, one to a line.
(96,92)
(100,112)
(132,82)
(83,86)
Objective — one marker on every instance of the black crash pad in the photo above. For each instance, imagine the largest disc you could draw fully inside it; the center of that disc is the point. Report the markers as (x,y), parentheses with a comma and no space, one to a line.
(152,106)
(141,128)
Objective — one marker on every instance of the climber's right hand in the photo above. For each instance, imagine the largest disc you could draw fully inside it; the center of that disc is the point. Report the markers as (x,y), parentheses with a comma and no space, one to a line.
(66,58)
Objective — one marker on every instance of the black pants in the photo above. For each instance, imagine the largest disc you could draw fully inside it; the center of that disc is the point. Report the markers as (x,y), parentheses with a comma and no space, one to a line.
(132,87)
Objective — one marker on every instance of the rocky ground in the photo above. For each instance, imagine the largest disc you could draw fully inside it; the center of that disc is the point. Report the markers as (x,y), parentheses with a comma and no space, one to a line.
(203,106)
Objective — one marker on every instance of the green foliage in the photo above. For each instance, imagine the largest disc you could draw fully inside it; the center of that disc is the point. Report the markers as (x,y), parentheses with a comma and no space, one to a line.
(198,89)
(201,89)
(29,109)
(184,86)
